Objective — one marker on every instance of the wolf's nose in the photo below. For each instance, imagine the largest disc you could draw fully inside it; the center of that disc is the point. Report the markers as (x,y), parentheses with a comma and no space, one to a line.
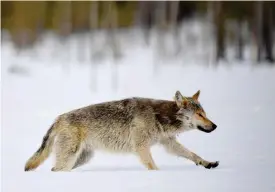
(214,126)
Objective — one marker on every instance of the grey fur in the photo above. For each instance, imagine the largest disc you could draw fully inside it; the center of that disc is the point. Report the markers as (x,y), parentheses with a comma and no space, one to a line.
(129,125)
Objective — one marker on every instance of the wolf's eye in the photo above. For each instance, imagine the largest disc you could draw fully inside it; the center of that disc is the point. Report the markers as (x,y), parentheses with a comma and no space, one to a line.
(200,115)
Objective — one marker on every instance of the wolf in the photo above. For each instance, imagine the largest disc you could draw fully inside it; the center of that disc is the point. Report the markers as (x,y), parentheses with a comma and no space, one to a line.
(130,125)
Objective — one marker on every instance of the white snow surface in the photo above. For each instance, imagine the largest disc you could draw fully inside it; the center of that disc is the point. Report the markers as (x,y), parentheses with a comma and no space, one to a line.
(239,98)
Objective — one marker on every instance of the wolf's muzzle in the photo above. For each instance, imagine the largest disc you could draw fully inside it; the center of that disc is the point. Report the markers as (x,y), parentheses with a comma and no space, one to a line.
(207,130)
(214,126)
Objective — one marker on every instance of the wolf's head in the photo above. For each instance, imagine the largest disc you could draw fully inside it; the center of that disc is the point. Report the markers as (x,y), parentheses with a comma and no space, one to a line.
(192,113)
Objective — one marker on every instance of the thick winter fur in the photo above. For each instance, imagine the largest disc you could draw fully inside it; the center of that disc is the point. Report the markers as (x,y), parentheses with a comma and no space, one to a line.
(130,125)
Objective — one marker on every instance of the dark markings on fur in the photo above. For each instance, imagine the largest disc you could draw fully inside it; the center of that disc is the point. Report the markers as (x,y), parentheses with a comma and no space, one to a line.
(166,114)
(159,129)
(83,158)
(212,165)
(43,145)
(208,166)
(204,130)
(122,112)
(75,118)
(45,139)
(125,102)
(116,111)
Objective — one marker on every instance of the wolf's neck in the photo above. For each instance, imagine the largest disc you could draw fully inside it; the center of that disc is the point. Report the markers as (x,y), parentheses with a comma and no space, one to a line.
(165,113)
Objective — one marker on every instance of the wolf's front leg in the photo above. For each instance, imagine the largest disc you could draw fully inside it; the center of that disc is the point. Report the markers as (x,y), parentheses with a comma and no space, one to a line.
(146,158)
(142,149)
(173,147)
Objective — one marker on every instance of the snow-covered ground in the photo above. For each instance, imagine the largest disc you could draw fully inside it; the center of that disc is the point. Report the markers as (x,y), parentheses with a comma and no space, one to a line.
(238,98)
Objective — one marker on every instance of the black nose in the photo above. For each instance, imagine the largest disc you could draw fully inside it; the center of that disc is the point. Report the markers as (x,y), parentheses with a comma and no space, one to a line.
(214,126)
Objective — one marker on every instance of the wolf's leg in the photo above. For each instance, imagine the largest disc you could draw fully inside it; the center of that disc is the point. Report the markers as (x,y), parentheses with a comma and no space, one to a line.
(141,139)
(146,158)
(67,151)
(84,157)
(173,147)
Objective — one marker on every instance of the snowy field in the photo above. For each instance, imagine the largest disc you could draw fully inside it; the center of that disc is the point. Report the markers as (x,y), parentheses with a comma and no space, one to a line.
(239,98)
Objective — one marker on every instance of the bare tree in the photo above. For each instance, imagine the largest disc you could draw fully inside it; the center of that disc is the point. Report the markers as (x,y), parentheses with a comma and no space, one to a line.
(240,40)
(209,31)
(21,33)
(144,17)
(63,22)
(94,24)
(94,16)
(220,30)
(174,10)
(267,30)
(64,19)
(259,24)
(161,24)
(110,23)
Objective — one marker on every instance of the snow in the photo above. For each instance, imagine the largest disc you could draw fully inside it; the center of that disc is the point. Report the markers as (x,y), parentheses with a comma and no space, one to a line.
(238,97)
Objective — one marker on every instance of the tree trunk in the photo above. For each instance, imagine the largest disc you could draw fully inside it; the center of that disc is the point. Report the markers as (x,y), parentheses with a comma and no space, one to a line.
(63,24)
(93,18)
(111,23)
(161,23)
(143,14)
(259,24)
(267,32)
(174,10)
(64,19)
(220,31)
(209,40)
(93,24)
(240,44)
(160,14)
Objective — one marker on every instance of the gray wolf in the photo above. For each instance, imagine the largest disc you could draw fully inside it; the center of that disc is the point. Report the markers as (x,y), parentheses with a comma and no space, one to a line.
(131,125)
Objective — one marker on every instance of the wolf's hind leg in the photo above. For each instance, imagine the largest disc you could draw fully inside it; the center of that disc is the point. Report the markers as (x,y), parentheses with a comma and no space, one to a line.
(84,157)
(68,148)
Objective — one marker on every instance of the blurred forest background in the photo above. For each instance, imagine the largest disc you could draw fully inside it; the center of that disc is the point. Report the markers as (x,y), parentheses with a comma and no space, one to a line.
(234,23)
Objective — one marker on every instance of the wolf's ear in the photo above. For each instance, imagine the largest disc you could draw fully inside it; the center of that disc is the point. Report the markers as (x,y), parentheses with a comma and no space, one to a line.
(180,100)
(196,95)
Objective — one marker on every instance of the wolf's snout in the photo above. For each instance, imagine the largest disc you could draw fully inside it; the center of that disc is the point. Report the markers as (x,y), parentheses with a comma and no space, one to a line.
(214,126)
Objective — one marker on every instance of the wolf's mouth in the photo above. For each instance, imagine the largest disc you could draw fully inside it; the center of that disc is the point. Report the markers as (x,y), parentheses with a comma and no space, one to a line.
(204,130)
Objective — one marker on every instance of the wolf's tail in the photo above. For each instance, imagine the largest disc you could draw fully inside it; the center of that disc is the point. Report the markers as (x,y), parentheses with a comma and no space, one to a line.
(44,151)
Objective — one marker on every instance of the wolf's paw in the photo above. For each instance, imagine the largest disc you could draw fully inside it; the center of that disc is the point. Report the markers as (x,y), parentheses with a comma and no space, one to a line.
(212,165)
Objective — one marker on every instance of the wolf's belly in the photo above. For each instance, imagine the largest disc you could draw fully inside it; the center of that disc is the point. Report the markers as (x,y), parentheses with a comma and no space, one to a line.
(118,140)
